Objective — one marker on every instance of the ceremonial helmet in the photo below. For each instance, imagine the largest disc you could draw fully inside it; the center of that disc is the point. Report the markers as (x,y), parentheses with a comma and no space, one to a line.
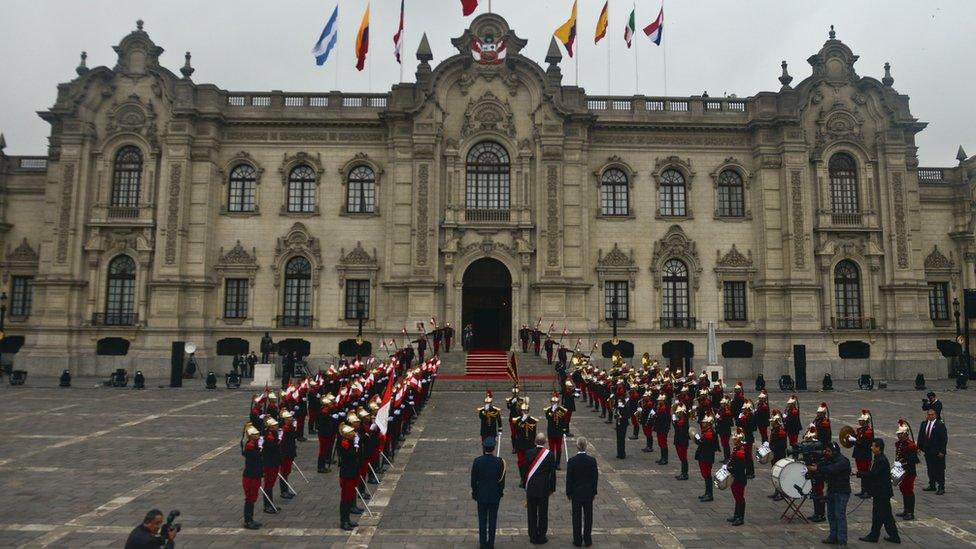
(352,418)
(775,416)
(272,396)
(554,398)
(661,397)
(362,413)
(568,385)
(865,416)
(738,387)
(680,409)
(251,431)
(488,397)
(524,406)
(763,395)
(346,431)
(286,415)
(822,409)
(726,399)
(810,435)
(515,389)
(258,398)
(717,384)
(684,388)
(747,405)
(270,422)
(792,400)
(709,418)
(903,429)
(374,407)
(328,400)
(738,436)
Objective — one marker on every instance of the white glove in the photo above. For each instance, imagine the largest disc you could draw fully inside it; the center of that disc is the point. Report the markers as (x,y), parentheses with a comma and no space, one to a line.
(674,417)
(697,436)
(653,413)
(851,439)
(812,425)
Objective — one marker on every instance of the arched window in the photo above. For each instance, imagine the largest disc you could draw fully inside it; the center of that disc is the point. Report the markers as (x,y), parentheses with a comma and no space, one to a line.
(240,191)
(487,177)
(675,305)
(298,293)
(361,190)
(301,190)
(847,294)
(613,192)
(731,199)
(671,194)
(120,294)
(843,183)
(127,177)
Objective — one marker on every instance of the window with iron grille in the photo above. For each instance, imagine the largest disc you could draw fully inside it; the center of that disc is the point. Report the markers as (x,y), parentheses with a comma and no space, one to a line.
(674,301)
(843,183)
(121,291)
(734,296)
(847,294)
(241,189)
(615,298)
(361,190)
(235,297)
(127,177)
(22,294)
(731,199)
(938,301)
(613,193)
(298,290)
(671,194)
(301,190)
(357,298)
(487,177)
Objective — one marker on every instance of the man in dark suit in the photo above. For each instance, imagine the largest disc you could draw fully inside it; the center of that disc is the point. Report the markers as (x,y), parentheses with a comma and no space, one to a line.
(933,439)
(877,481)
(581,480)
(487,488)
(932,403)
(539,472)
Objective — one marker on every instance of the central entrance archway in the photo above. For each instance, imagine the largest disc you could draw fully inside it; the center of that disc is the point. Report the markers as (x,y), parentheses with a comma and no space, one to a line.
(486,303)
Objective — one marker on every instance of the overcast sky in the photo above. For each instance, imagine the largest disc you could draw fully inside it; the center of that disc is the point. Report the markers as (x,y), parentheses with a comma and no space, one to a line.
(721,46)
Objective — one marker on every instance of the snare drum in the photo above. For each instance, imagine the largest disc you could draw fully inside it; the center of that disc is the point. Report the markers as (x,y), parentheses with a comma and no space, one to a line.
(897,473)
(723,477)
(764,453)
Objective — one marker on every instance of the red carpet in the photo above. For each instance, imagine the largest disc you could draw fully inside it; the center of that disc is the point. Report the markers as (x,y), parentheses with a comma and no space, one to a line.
(486,363)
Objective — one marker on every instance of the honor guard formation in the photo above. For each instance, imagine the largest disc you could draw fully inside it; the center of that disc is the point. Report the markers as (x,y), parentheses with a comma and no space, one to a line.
(360,412)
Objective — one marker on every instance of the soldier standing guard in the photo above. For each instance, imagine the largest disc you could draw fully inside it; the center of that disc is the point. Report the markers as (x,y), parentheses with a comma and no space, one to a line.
(747,423)
(421,347)
(524,338)
(707,442)
(662,425)
(569,403)
(620,425)
(326,429)
(348,454)
(777,444)
(549,348)
(271,461)
(862,439)
(906,453)
(526,427)
(491,419)
(437,342)
(737,466)
(762,415)
(536,340)
(792,422)
(514,405)
(448,336)
(681,439)
(251,477)
(646,412)
(556,427)
(822,424)
(289,451)
(724,425)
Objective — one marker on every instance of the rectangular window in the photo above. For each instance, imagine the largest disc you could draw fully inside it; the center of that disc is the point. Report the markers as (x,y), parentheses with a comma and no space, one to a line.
(362,197)
(734,294)
(615,297)
(235,298)
(357,298)
(938,301)
(22,288)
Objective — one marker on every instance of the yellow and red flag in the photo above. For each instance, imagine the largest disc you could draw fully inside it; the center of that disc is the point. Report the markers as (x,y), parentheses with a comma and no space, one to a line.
(567,32)
(362,41)
(602,23)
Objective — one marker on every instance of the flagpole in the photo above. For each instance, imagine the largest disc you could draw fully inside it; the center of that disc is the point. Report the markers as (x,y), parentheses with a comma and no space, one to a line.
(636,62)
(336,87)
(579,43)
(609,48)
(664,53)
(403,39)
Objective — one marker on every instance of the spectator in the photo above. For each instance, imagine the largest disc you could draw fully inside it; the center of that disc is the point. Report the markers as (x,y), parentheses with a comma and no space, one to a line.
(487,488)
(932,440)
(146,535)
(539,471)
(582,475)
(878,484)
(835,469)
(932,403)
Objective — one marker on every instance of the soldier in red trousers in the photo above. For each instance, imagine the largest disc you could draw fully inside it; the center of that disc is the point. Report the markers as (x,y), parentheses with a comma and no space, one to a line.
(251,477)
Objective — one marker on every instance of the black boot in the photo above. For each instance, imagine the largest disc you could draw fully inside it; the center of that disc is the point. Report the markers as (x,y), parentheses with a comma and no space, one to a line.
(283,488)
(684,471)
(649,448)
(664,456)
(818,510)
(559,457)
(269,505)
(740,511)
(909,508)
(249,517)
(634,436)
(709,485)
(735,514)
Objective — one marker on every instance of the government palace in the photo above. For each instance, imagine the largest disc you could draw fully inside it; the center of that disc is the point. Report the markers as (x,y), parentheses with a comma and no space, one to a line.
(487,192)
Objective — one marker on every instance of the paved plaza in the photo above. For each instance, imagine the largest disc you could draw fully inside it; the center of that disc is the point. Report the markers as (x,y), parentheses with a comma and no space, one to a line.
(79,467)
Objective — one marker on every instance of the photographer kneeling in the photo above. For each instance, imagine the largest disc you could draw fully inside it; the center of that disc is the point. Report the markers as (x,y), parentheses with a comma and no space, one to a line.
(148,535)
(835,470)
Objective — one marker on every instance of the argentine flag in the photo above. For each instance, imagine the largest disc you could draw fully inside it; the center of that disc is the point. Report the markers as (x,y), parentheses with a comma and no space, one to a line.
(328,39)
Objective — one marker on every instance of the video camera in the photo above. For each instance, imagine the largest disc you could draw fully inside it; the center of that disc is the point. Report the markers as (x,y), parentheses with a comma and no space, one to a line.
(808,452)
(169,525)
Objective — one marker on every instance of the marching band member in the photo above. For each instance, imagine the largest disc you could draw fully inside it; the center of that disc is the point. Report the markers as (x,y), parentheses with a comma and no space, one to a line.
(490,418)
(620,416)
(862,439)
(762,415)
(289,451)
(717,393)
(738,399)
(631,404)
(792,422)
(327,425)
(707,442)
(556,426)
(777,443)
(514,404)
(746,421)
(822,424)
(569,403)
(271,461)
(737,466)
(724,425)
(526,427)
(647,420)
(906,453)
(348,453)
(662,425)
(681,439)
(251,477)
(704,406)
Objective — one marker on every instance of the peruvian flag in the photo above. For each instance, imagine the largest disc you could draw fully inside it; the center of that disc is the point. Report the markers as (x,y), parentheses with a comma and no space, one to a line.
(383,414)
(398,37)
(468,7)
(655,30)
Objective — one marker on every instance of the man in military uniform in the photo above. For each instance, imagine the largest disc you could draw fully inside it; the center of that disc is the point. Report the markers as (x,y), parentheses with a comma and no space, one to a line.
(647,420)
(681,427)
(514,405)
(906,453)
(569,403)
(448,337)
(707,442)
(862,439)
(777,444)
(289,451)
(251,477)
(662,426)
(524,338)
(348,453)
(556,427)
(792,422)
(536,340)
(326,428)
(271,461)
(526,427)
(822,424)
(490,418)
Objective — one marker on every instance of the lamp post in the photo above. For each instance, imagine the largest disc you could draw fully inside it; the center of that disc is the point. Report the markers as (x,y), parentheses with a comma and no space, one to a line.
(959,340)
(359,317)
(613,317)
(3,315)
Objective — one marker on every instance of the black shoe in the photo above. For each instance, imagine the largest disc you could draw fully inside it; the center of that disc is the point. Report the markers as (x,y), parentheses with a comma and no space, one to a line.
(828,541)
(664,462)
(892,540)
(251,525)
(928,489)
(867,539)
(542,541)
(733,518)
(357,511)
(817,518)
(901,514)
(940,491)
(570,435)
(632,438)
(908,516)
(647,450)
(323,470)
(751,476)
(681,477)
(287,495)
(778,497)
(738,521)
(707,498)
(347,526)
(269,510)
(301,439)
(577,544)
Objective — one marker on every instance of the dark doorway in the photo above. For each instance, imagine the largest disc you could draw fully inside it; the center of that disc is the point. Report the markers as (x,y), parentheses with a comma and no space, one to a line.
(486,303)
(678,355)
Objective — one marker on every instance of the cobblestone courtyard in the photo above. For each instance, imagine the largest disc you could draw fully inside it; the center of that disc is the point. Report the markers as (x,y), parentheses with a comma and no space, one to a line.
(80,466)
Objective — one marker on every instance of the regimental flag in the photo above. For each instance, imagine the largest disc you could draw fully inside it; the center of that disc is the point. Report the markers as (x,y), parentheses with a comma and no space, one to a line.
(602,22)
(383,414)
(631,28)
(468,7)
(398,37)
(327,40)
(655,30)
(362,41)
(513,369)
(567,32)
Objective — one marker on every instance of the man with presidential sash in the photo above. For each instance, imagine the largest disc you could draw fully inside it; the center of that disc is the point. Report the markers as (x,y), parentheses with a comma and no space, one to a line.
(539,472)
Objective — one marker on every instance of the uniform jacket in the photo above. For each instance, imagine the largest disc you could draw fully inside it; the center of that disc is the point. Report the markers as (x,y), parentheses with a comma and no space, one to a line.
(681,432)
(907,453)
(707,446)
(488,479)
(348,455)
(252,459)
(491,421)
(582,476)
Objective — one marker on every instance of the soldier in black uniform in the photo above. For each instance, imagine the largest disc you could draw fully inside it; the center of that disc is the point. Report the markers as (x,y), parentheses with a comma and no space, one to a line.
(251,477)
(707,441)
(536,340)
(327,426)
(514,411)
(548,345)
(524,338)
(349,455)
(556,427)
(490,418)
(620,425)
(569,403)
(681,439)
(662,426)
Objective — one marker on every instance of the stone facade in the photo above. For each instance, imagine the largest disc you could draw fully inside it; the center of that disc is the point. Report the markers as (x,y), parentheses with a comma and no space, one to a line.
(62,223)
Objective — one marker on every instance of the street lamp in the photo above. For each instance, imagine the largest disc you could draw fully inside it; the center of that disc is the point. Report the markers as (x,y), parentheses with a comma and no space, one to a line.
(3,315)
(359,317)
(613,316)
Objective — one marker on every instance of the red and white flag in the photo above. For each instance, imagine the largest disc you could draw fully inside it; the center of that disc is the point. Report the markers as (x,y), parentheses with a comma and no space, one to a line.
(468,7)
(383,414)
(398,37)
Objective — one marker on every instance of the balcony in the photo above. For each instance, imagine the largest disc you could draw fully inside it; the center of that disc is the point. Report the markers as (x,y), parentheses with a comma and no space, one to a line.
(293,321)
(851,219)
(487,216)
(123,212)
(115,319)
(852,323)
(677,323)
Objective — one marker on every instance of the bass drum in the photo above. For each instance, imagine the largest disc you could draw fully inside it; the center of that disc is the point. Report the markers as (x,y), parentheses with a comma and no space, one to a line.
(789,477)
(723,477)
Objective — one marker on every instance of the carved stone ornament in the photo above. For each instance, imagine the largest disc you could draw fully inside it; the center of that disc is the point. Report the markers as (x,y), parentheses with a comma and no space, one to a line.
(734,258)
(616,264)
(290,162)
(297,241)
(488,113)
(487,246)
(23,253)
(133,116)
(358,263)
(676,244)
(357,256)
(937,261)
(733,266)
(238,256)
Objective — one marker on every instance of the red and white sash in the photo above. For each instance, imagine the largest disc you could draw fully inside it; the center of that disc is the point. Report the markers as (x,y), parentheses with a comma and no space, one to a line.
(536,463)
